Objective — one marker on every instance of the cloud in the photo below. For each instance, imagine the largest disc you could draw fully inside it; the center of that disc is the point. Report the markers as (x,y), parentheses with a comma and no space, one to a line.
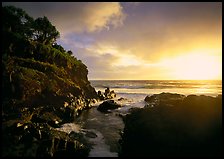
(150,33)
(103,15)
(76,17)
(164,30)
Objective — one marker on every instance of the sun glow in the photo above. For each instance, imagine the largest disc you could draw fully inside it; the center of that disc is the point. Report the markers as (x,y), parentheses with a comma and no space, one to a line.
(195,66)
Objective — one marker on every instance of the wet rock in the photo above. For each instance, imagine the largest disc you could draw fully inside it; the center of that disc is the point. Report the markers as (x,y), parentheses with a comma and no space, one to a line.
(122,99)
(54,124)
(107,94)
(192,127)
(60,143)
(36,119)
(121,115)
(41,140)
(108,105)
(90,134)
(167,99)
(75,135)
(112,94)
(100,95)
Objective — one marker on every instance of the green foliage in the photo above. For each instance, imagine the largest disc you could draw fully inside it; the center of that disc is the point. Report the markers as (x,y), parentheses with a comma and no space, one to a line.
(33,62)
(16,20)
(69,52)
(38,76)
(26,38)
(47,53)
(19,29)
(45,32)
(59,47)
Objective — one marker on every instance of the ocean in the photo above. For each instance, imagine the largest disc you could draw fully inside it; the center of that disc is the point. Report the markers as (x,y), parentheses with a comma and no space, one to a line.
(186,87)
(108,126)
(135,91)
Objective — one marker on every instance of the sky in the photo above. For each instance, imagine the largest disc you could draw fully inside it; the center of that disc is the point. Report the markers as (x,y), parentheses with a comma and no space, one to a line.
(139,40)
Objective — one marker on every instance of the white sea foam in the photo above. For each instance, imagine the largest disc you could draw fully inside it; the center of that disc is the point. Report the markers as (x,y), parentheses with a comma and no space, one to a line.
(69,127)
(100,148)
(107,126)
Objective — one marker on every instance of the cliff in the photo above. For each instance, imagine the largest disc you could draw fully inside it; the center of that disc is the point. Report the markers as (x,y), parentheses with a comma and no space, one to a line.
(43,86)
(48,78)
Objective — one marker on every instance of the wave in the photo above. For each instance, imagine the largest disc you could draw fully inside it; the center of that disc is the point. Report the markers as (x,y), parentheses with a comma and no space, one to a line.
(211,88)
(154,86)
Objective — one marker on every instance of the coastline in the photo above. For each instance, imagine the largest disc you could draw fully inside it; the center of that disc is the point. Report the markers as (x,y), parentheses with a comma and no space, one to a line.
(95,120)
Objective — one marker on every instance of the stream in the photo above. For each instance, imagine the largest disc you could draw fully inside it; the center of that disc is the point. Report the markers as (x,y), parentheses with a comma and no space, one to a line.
(103,129)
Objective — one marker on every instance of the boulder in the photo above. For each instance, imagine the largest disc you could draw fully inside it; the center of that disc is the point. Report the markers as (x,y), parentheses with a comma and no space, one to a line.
(91,134)
(100,95)
(109,94)
(106,95)
(109,104)
(192,127)
(165,99)
(112,94)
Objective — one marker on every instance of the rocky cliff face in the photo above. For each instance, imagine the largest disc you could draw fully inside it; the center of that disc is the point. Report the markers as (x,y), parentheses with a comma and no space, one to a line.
(40,81)
(40,93)
(43,86)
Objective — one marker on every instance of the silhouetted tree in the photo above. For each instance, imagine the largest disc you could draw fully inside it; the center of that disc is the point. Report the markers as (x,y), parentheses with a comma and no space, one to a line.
(16,29)
(45,32)
(17,21)
(59,47)
(69,52)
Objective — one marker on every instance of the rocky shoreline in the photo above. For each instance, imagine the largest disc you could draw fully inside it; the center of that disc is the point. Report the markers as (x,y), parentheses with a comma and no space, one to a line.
(174,125)
(45,86)
(32,131)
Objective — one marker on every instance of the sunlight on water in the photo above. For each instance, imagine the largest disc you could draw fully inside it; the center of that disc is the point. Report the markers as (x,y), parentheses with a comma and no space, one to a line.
(107,126)
(186,87)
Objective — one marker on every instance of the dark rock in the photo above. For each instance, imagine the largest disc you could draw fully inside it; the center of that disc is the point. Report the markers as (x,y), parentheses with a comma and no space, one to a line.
(75,135)
(107,94)
(54,124)
(168,99)
(36,85)
(90,134)
(121,115)
(192,127)
(112,94)
(100,95)
(108,105)
(40,139)
(36,119)
(107,91)
(122,99)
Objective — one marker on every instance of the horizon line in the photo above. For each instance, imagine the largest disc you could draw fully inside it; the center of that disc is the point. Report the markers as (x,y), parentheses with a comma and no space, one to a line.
(155,79)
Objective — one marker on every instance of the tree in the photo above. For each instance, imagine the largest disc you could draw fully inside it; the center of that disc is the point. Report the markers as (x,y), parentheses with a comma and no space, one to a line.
(45,32)
(16,30)
(17,21)
(59,47)
(69,52)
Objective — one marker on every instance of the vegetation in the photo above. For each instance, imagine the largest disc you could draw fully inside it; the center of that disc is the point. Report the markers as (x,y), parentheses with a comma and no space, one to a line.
(39,77)
(44,31)
(32,56)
